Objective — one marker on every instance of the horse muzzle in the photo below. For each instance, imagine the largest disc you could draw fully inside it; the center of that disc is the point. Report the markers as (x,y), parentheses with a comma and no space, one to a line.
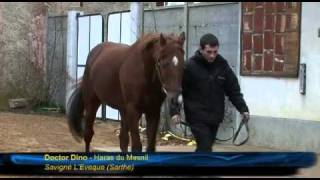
(172,93)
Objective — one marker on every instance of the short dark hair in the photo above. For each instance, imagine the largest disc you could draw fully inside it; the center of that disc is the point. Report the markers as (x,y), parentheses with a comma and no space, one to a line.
(209,39)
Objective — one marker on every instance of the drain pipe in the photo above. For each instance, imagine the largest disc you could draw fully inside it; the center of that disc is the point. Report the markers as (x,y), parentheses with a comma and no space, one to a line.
(186,25)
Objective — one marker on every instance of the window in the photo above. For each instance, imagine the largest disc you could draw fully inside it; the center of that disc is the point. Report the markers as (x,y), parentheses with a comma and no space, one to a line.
(173,3)
(270,38)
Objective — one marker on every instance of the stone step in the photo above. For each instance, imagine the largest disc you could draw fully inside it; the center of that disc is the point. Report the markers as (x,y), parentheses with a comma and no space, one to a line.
(18,103)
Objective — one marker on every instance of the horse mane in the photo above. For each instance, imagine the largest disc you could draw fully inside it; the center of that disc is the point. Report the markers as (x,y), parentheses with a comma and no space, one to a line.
(150,39)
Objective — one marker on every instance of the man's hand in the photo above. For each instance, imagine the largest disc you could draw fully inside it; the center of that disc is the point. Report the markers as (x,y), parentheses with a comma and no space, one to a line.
(246,116)
(176,119)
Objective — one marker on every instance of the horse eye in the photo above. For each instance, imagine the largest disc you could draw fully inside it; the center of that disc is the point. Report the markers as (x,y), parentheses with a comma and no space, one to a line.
(165,64)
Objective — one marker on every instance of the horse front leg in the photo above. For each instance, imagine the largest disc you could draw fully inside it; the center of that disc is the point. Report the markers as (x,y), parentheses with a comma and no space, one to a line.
(152,119)
(133,117)
(124,133)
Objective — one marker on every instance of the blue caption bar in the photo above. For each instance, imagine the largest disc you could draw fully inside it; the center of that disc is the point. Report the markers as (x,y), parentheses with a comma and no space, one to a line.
(142,163)
(243,159)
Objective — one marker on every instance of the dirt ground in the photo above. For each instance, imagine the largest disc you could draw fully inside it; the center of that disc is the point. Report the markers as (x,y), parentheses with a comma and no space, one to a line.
(38,133)
(50,133)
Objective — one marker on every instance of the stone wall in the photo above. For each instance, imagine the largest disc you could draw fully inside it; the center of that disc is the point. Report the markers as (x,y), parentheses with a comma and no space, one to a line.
(23,44)
(22,47)
(62,8)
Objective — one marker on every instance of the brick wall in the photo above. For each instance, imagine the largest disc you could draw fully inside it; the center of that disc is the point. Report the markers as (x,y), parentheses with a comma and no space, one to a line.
(270,38)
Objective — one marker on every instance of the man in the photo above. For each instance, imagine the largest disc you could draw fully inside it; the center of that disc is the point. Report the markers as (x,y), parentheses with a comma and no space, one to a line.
(207,79)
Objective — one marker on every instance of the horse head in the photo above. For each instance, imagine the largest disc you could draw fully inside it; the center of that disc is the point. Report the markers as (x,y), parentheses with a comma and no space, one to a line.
(169,63)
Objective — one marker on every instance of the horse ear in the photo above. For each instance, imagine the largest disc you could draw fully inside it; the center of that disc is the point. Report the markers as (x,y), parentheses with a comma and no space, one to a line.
(162,40)
(182,38)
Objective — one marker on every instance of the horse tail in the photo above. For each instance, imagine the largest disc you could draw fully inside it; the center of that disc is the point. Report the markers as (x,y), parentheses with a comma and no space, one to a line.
(75,106)
(75,111)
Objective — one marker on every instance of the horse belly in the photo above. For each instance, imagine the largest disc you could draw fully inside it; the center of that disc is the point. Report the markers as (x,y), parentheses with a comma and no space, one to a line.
(108,91)
(105,75)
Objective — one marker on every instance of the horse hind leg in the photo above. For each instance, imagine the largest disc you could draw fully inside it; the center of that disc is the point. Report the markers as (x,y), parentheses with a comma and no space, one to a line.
(124,133)
(91,111)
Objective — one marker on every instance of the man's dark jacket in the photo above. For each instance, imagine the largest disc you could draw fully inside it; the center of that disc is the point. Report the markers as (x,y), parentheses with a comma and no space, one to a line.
(204,87)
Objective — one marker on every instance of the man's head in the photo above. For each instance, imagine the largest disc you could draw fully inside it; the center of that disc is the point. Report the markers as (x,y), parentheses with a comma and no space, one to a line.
(209,46)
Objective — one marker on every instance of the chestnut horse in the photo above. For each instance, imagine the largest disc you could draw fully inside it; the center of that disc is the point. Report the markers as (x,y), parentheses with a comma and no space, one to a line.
(133,79)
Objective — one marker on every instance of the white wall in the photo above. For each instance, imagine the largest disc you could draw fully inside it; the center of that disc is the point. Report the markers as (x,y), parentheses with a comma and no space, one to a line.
(280,97)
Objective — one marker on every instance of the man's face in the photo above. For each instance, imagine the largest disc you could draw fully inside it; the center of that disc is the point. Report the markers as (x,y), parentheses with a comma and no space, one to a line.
(210,53)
